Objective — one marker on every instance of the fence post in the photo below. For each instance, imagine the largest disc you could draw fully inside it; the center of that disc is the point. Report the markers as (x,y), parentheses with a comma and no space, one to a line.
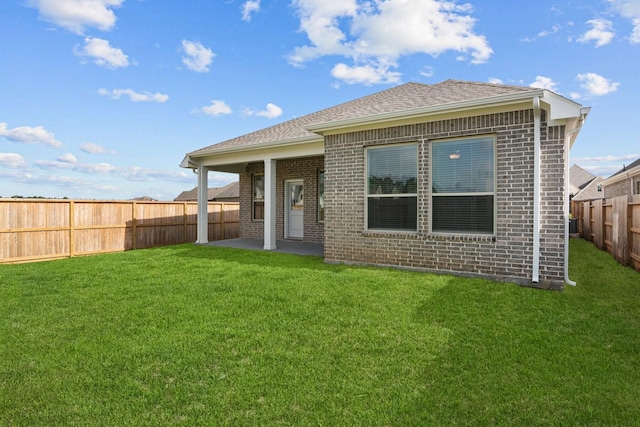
(185,225)
(629,259)
(222,226)
(134,236)
(72,224)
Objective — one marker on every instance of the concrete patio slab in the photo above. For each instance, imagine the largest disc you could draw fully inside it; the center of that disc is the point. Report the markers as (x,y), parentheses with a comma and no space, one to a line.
(282,246)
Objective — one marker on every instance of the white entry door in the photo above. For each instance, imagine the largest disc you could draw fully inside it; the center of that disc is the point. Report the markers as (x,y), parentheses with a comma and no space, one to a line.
(294,210)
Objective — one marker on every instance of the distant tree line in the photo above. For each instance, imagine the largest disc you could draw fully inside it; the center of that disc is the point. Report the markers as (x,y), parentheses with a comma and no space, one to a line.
(35,197)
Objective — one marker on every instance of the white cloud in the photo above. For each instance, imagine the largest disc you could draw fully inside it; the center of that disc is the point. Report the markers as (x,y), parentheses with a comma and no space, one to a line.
(427,71)
(271,111)
(609,158)
(77,15)
(542,82)
(134,96)
(366,74)
(198,58)
(68,158)
(90,168)
(102,53)
(12,160)
(629,9)
(29,135)
(129,173)
(216,108)
(91,148)
(376,35)
(248,8)
(495,81)
(635,35)
(600,32)
(597,84)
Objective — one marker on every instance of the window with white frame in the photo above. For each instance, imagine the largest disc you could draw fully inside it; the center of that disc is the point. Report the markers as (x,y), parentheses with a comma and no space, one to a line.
(392,187)
(320,196)
(257,198)
(463,186)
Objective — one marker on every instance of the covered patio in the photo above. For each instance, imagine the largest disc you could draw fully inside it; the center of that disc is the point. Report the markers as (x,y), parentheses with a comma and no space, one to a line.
(282,246)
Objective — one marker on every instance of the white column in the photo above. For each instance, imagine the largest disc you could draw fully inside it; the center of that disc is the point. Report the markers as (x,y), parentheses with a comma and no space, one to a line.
(203,205)
(269,204)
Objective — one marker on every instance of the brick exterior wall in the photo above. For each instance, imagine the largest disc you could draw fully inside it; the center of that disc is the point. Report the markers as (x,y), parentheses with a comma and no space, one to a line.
(306,169)
(623,187)
(506,256)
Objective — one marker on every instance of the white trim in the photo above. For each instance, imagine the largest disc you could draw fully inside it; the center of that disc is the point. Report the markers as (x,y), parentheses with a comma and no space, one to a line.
(535,268)
(487,102)
(406,195)
(279,149)
(269,204)
(431,195)
(203,206)
(621,176)
(287,201)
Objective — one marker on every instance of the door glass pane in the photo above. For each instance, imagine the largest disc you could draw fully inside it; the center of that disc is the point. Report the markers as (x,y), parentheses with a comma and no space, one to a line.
(297,196)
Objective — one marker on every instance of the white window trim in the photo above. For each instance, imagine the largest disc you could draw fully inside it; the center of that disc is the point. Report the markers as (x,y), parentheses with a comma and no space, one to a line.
(367,195)
(494,193)
(320,171)
(253,200)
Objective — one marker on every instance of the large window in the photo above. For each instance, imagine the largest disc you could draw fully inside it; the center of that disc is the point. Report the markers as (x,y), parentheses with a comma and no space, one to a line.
(463,186)
(392,178)
(257,198)
(321,196)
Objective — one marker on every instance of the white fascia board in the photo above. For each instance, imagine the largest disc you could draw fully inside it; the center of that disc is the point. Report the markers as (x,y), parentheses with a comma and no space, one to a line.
(621,176)
(474,104)
(562,108)
(260,153)
(297,147)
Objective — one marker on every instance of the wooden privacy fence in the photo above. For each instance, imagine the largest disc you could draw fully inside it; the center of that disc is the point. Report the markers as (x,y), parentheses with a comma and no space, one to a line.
(36,229)
(612,225)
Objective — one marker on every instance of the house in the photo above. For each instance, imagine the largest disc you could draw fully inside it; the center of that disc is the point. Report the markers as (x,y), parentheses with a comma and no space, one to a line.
(578,179)
(583,185)
(591,191)
(624,182)
(228,193)
(458,177)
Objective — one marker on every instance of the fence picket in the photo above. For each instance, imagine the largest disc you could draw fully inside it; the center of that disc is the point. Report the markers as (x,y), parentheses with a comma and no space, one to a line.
(612,225)
(40,229)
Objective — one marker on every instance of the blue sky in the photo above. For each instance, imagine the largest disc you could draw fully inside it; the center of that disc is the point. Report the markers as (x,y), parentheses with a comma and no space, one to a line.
(101,99)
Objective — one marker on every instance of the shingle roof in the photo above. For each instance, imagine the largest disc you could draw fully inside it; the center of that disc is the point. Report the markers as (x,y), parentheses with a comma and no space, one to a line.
(579,178)
(406,97)
(626,168)
(590,191)
(229,191)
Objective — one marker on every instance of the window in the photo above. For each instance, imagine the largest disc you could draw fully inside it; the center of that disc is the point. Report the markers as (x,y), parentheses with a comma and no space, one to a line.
(321,196)
(463,186)
(392,178)
(257,199)
(637,191)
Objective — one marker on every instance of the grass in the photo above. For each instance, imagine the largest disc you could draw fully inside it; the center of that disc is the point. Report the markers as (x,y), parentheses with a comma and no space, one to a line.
(188,335)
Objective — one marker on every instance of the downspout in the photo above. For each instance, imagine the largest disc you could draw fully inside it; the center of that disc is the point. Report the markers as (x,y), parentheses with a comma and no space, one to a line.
(535,274)
(567,148)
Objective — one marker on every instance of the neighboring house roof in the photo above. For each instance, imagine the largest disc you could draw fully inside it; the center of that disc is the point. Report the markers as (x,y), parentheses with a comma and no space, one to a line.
(626,170)
(578,179)
(145,199)
(591,191)
(228,192)
(407,101)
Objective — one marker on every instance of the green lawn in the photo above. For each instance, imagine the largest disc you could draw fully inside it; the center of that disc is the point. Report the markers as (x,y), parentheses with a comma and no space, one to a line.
(188,335)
